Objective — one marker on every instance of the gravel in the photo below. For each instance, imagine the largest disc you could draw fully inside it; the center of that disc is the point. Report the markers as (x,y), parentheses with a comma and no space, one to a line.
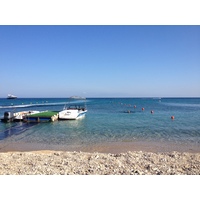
(81,163)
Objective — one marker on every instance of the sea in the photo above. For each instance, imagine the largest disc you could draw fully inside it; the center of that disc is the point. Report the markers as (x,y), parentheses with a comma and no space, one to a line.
(110,125)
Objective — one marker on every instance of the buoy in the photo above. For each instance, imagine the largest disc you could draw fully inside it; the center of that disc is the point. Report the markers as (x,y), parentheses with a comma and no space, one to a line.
(134,106)
(152,111)
(172,117)
(142,108)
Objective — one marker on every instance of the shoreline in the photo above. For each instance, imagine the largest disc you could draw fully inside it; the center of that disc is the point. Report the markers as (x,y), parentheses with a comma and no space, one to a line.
(105,147)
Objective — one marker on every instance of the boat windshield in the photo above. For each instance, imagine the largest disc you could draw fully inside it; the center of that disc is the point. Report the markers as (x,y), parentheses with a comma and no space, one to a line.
(76,107)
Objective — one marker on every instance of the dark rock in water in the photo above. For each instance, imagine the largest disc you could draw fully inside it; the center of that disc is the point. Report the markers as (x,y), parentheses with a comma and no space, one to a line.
(129,111)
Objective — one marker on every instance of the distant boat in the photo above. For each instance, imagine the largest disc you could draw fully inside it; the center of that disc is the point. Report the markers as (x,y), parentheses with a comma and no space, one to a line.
(11,96)
(76,97)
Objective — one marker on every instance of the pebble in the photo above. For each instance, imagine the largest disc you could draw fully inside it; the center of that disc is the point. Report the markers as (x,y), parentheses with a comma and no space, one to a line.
(130,163)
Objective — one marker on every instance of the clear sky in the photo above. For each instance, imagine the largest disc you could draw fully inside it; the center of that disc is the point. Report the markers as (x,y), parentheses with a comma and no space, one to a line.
(100,61)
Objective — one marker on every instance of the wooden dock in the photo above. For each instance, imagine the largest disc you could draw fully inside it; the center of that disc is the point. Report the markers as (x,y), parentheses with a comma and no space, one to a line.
(46,116)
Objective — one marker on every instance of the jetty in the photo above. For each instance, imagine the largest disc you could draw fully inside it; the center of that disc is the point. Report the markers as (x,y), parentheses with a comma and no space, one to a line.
(46,116)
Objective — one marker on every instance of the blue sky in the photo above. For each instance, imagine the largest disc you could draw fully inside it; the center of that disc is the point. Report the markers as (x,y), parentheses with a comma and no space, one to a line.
(100,61)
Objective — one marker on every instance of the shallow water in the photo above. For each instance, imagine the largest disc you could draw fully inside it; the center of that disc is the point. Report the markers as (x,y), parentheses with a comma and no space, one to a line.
(108,120)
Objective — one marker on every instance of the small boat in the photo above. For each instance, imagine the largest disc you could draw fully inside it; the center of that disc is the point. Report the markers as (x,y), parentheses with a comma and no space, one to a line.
(11,96)
(72,112)
(16,116)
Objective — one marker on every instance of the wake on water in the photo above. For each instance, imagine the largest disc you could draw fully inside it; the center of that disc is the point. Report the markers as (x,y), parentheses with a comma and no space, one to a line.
(40,104)
(32,105)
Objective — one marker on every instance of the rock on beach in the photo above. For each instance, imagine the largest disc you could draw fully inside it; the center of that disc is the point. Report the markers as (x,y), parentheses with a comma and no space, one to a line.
(81,163)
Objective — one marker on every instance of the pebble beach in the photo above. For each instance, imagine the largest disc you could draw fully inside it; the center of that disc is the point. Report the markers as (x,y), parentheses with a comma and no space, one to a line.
(82,163)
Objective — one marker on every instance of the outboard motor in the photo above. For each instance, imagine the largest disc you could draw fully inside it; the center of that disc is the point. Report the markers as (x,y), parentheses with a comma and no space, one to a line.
(8,116)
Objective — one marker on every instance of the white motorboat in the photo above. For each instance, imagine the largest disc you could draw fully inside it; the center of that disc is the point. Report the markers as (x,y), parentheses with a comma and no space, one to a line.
(17,116)
(11,96)
(72,112)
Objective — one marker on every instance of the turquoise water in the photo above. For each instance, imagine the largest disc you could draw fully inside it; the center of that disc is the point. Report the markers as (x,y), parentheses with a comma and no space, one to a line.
(107,120)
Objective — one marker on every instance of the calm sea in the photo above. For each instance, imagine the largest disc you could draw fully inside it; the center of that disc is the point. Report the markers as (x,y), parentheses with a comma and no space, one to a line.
(108,120)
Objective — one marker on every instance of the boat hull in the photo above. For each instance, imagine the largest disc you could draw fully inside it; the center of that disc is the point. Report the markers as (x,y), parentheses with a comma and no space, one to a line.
(71,114)
(12,98)
(16,116)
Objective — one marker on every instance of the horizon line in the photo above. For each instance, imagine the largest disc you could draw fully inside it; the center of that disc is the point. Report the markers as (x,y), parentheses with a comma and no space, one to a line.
(156,97)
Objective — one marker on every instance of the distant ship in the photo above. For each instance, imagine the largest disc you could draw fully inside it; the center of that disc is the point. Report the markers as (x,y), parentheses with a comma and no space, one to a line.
(11,96)
(77,97)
